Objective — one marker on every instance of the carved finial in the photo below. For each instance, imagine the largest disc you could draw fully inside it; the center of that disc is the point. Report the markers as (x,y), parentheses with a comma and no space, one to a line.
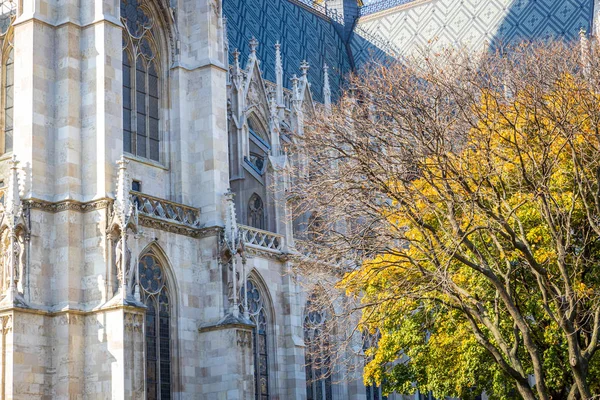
(236,58)
(304,67)
(236,72)
(253,45)
(295,88)
(326,88)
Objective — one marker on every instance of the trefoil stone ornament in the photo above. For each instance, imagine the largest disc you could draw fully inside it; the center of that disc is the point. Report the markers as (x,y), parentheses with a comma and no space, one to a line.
(14,239)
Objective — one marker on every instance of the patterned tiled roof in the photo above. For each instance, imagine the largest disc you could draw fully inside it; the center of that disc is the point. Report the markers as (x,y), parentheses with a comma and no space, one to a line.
(315,34)
(479,23)
(303,34)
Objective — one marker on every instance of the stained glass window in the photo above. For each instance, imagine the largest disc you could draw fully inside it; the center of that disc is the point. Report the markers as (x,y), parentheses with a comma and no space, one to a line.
(317,353)
(260,345)
(373,392)
(9,73)
(155,295)
(258,161)
(256,212)
(141,83)
(7,16)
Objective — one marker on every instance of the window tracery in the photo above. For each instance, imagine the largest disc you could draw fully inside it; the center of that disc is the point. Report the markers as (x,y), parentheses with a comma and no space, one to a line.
(155,295)
(317,352)
(258,145)
(256,212)
(258,315)
(258,161)
(8,9)
(257,131)
(141,82)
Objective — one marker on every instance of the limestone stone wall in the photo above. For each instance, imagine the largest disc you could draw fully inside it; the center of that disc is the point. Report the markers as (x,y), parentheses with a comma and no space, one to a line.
(71,333)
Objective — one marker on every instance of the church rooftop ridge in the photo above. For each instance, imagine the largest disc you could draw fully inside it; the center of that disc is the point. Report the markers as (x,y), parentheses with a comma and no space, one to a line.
(383,5)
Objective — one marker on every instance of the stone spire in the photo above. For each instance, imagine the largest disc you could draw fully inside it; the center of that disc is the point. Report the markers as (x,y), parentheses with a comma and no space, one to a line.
(13,208)
(231,234)
(278,75)
(123,204)
(326,88)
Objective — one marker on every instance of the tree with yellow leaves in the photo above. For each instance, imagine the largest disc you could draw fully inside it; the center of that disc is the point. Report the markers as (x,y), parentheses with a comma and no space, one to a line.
(458,203)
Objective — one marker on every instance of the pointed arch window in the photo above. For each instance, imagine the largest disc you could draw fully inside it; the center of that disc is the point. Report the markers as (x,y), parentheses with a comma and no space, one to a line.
(141,82)
(260,345)
(317,352)
(373,392)
(155,295)
(256,212)
(258,145)
(7,17)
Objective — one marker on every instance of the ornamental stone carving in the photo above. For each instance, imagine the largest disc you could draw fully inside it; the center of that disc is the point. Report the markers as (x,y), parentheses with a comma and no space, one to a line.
(14,228)
(124,221)
(233,251)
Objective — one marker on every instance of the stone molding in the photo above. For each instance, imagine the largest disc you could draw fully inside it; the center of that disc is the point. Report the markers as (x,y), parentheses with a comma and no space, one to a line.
(255,251)
(67,205)
(229,322)
(147,222)
(172,227)
(106,203)
(69,311)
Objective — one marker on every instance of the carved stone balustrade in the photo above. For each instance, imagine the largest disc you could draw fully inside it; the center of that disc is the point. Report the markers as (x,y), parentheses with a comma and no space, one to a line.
(166,210)
(261,239)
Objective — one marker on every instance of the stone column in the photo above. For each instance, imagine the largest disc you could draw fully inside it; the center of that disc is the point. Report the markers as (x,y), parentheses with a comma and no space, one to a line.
(199,113)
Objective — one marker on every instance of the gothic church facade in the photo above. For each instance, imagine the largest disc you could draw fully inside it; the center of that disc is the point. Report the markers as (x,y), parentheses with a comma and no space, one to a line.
(143,253)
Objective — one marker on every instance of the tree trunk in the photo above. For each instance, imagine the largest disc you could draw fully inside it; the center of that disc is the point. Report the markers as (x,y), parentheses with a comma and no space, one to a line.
(579,367)
(581,382)
(525,391)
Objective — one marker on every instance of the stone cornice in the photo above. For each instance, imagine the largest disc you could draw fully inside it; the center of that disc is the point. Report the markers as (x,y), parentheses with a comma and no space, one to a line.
(173,227)
(105,203)
(67,205)
(36,309)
